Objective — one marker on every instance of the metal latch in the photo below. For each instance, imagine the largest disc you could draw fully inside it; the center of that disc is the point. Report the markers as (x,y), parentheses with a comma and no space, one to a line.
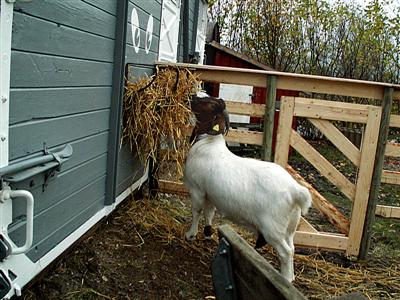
(25,169)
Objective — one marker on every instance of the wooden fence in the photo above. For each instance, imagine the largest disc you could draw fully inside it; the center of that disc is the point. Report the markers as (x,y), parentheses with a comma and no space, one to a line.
(353,233)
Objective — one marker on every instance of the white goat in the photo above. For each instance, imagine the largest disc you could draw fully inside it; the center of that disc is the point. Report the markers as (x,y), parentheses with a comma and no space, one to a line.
(260,195)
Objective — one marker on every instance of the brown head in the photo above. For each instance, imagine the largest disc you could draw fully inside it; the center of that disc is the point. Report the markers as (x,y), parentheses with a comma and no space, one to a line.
(211,116)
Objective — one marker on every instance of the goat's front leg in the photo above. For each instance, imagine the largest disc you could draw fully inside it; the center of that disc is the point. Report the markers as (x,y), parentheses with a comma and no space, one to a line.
(198,200)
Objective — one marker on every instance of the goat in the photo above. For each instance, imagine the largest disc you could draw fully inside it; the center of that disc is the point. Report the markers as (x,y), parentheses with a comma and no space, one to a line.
(260,195)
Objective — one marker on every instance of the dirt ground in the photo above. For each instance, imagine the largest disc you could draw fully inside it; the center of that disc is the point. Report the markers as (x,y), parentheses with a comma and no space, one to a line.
(139,252)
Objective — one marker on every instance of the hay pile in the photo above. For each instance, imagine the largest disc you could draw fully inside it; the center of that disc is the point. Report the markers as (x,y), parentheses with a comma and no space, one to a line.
(156,113)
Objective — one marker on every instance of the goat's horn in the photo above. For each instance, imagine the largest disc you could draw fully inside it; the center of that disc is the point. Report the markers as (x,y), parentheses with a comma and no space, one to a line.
(227,123)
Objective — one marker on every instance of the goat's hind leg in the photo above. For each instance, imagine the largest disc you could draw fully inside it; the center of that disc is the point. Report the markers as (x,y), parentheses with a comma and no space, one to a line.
(285,252)
(198,200)
(209,212)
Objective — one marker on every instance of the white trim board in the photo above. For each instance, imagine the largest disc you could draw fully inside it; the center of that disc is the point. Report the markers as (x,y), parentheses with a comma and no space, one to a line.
(6,19)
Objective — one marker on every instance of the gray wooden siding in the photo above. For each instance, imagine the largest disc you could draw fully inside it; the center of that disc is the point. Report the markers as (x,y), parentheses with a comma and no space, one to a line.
(192,33)
(139,64)
(61,77)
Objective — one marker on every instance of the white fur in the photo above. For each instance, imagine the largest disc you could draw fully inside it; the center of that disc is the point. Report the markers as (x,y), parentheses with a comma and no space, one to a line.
(260,195)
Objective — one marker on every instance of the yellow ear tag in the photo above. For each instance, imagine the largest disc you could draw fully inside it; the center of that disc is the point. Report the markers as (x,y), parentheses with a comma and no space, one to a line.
(216,127)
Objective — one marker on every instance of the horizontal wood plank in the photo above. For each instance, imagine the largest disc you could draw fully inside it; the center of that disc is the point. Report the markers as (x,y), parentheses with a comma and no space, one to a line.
(30,70)
(388,211)
(238,108)
(73,14)
(322,165)
(291,81)
(392,149)
(331,110)
(320,240)
(171,187)
(29,137)
(244,137)
(35,104)
(390,177)
(394,121)
(61,41)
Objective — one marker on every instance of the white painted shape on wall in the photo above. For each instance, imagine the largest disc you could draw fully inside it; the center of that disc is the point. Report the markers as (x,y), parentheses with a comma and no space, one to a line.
(135,30)
(149,34)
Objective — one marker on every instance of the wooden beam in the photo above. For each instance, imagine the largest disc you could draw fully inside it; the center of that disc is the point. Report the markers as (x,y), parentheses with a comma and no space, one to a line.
(331,110)
(396,94)
(244,137)
(334,87)
(284,130)
(171,187)
(320,240)
(333,215)
(375,184)
(394,121)
(363,185)
(338,139)
(392,149)
(253,276)
(239,77)
(304,225)
(322,165)
(390,177)
(291,81)
(269,118)
(238,108)
(388,211)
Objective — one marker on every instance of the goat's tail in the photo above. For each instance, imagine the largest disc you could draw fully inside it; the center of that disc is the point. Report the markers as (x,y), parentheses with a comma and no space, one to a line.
(303,199)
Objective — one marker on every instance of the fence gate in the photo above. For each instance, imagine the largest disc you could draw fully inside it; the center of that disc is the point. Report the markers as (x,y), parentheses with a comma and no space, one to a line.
(321,113)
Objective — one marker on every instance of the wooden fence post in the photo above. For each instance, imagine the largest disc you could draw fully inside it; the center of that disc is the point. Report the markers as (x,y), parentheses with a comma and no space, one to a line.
(377,173)
(269,116)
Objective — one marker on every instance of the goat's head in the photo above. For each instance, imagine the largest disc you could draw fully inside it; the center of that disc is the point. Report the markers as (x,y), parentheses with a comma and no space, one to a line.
(211,116)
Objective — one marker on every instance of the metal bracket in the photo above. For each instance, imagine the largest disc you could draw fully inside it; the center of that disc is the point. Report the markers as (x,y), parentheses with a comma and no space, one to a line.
(6,197)
(50,161)
(221,268)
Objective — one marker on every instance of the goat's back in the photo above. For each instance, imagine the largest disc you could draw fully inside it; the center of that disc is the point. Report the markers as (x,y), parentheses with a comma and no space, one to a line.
(240,187)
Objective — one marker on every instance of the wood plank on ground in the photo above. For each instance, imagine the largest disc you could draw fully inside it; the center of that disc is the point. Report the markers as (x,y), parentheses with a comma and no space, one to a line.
(254,275)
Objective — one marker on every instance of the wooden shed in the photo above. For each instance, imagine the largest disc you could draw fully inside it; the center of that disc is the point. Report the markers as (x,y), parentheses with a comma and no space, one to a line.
(63,66)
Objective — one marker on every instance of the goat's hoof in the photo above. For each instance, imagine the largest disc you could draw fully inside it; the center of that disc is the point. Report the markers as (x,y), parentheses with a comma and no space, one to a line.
(190,237)
(208,232)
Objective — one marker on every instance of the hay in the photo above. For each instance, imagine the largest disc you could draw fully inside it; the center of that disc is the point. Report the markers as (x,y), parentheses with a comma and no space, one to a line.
(319,275)
(157,112)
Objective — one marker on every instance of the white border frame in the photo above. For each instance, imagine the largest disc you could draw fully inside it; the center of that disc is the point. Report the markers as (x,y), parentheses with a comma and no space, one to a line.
(6,19)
